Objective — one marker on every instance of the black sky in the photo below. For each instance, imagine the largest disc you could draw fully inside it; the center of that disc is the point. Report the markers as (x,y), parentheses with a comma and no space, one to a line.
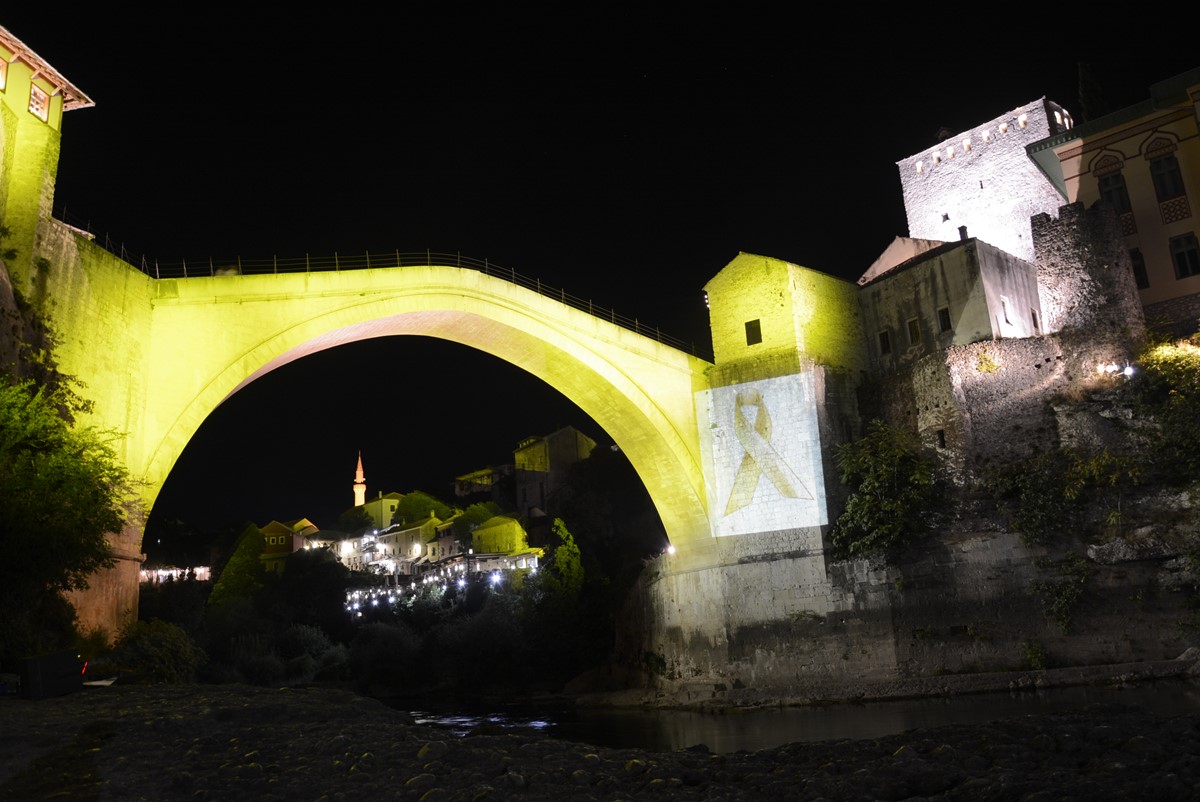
(623,157)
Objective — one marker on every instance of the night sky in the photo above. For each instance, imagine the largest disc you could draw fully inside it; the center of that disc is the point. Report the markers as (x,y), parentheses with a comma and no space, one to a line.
(625,160)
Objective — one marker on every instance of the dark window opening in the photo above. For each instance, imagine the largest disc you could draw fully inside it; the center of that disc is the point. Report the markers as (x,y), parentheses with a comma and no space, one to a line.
(885,343)
(1139,268)
(1114,193)
(944,319)
(1168,183)
(941,435)
(914,331)
(1186,254)
(1037,324)
(753,332)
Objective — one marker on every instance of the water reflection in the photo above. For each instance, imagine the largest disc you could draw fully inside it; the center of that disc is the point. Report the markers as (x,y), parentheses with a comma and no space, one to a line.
(668,730)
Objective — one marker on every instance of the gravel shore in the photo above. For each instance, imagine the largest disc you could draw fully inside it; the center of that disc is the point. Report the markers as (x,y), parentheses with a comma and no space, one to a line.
(220,742)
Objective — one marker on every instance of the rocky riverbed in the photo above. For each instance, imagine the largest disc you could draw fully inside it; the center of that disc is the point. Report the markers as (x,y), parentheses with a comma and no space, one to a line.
(220,742)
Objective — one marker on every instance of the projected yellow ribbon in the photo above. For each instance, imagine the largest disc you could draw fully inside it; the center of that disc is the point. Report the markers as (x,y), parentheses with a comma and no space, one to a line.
(760,456)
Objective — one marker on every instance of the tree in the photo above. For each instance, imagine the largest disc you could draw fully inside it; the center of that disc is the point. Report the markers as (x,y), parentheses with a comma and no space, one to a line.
(355,521)
(893,491)
(563,578)
(417,506)
(244,574)
(63,490)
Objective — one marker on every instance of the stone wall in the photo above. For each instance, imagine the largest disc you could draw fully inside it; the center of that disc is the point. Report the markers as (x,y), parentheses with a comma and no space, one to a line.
(775,619)
(1178,317)
(1085,278)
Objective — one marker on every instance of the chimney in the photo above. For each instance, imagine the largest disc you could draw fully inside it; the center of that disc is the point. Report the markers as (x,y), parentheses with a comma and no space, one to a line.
(962,233)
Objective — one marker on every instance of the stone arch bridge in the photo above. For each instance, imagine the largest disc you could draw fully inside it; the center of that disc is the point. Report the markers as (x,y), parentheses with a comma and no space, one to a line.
(732,452)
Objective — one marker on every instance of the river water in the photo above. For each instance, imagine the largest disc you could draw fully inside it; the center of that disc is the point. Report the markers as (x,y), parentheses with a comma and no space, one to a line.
(668,730)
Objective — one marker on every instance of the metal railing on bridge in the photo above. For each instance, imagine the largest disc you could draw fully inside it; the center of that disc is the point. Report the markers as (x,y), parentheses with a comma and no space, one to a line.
(367,261)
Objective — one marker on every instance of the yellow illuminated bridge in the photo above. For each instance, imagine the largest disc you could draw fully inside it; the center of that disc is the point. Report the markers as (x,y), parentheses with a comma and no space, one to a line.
(158,355)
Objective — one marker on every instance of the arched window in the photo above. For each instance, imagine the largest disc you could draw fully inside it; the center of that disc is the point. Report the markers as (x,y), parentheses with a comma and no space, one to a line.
(1114,193)
(1168,182)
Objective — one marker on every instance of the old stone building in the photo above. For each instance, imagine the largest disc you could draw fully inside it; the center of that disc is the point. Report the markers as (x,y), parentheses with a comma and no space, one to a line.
(1144,162)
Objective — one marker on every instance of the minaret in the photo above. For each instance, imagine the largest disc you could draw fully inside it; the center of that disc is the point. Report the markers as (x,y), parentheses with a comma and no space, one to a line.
(360,484)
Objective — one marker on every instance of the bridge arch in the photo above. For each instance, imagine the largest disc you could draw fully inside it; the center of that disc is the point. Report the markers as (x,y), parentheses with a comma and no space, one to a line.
(638,389)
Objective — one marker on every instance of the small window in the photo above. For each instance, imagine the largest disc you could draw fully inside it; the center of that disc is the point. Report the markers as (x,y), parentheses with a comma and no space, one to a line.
(1037,324)
(753,332)
(1139,268)
(941,436)
(914,331)
(885,343)
(1113,192)
(39,102)
(1168,183)
(1186,254)
(1004,309)
(944,319)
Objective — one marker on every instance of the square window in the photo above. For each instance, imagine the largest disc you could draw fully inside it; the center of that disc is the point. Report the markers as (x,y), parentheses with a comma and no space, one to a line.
(885,343)
(1185,252)
(39,102)
(753,332)
(914,331)
(944,319)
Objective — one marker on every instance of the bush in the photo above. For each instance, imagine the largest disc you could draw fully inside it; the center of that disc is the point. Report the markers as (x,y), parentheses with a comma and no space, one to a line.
(893,493)
(1048,494)
(155,652)
(1168,390)
(1061,592)
(383,655)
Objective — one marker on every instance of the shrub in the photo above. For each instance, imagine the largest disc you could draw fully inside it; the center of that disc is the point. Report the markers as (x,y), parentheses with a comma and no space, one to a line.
(383,655)
(893,493)
(155,652)
(1060,593)
(1167,387)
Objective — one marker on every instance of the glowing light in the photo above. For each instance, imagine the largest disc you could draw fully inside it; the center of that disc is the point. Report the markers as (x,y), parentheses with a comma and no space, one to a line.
(462,583)
(670,549)
(1023,120)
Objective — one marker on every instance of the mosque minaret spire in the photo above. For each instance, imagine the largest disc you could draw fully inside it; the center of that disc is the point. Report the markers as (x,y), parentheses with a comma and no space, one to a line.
(360,484)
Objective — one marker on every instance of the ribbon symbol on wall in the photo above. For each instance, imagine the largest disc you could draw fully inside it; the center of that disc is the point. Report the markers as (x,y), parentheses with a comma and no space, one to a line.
(760,456)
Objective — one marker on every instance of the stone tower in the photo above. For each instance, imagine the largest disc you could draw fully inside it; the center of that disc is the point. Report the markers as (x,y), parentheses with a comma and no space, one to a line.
(360,484)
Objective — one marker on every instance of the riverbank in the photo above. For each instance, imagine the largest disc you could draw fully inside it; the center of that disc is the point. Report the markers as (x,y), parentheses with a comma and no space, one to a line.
(711,696)
(242,742)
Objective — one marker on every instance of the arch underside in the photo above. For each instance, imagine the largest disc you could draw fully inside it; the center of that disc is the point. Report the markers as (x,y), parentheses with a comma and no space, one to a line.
(642,396)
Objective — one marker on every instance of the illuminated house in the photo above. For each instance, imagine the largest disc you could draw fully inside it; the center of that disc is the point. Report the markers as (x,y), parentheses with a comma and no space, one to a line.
(33,97)
(1001,296)
(281,539)
(541,465)
(954,294)
(493,483)
(1144,162)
